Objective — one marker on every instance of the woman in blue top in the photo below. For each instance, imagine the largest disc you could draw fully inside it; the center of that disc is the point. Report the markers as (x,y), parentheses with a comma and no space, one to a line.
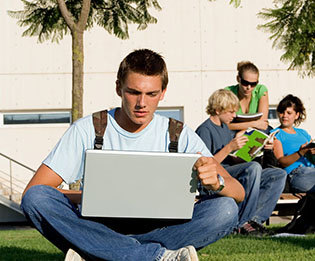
(290,145)
(253,97)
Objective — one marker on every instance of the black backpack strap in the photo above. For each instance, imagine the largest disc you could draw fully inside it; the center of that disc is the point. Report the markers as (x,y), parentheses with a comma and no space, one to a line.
(100,123)
(175,128)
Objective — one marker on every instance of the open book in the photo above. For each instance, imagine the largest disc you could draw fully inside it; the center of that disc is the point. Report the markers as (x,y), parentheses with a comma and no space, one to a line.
(247,117)
(256,142)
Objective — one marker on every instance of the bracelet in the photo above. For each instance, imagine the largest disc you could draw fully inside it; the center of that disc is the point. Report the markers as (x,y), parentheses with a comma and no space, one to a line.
(299,153)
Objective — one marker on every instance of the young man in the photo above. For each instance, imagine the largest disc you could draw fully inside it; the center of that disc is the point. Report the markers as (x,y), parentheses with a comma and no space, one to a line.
(141,83)
(262,186)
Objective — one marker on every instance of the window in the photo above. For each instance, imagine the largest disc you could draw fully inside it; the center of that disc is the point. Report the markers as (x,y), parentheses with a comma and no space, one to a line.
(36,118)
(272,114)
(175,113)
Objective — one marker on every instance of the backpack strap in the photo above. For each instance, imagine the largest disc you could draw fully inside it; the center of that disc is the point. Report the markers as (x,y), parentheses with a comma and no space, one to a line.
(100,123)
(175,128)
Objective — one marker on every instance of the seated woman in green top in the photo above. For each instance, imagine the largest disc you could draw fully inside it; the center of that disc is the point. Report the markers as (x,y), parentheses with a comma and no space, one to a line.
(253,97)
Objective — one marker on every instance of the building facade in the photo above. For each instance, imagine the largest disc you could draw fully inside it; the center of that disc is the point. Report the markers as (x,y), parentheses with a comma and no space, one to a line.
(201,41)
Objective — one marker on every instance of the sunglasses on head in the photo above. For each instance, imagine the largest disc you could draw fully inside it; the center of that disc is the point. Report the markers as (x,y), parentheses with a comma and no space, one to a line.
(246,83)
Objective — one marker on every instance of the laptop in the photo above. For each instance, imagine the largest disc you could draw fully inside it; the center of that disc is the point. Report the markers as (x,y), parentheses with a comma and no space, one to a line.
(145,185)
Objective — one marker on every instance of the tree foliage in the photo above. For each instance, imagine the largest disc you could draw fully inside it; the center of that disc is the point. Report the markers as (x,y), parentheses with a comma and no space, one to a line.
(292,24)
(44,20)
(236,3)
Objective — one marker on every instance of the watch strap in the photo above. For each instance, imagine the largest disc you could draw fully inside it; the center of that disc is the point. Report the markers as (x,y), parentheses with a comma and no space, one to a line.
(222,184)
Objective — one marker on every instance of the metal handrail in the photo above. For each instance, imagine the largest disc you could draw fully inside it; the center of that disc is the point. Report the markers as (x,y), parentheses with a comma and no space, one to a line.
(11,176)
(19,163)
(5,177)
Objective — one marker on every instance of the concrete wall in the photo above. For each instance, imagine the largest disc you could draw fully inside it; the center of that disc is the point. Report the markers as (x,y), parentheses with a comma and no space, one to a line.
(201,41)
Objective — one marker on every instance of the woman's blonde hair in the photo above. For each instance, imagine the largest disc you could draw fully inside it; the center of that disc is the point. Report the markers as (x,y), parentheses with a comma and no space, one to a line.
(245,66)
(222,100)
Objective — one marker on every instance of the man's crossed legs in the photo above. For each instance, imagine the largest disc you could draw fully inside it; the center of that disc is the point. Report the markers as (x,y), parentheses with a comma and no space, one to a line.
(60,222)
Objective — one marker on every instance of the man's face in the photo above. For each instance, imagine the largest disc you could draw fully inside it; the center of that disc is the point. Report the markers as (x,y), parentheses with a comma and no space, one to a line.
(140,95)
(227,116)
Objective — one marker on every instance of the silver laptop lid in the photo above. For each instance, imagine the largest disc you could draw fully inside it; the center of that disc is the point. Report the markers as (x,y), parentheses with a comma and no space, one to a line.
(139,184)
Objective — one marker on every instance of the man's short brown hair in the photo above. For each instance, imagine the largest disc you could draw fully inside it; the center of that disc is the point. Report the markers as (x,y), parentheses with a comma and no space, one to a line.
(143,61)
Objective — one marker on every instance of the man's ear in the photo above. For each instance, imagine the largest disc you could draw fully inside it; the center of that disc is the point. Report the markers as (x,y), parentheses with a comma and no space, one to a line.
(163,94)
(118,88)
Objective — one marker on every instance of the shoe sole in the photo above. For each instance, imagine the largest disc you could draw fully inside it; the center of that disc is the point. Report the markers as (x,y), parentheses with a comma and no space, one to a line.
(192,253)
(73,256)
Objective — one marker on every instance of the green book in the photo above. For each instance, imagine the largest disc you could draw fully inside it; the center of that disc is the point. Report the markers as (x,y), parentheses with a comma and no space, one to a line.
(256,142)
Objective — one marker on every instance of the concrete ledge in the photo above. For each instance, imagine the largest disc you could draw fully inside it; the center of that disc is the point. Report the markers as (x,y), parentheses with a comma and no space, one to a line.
(10,211)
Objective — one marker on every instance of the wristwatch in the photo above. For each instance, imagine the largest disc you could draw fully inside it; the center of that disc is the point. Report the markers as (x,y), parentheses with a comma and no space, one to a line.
(222,184)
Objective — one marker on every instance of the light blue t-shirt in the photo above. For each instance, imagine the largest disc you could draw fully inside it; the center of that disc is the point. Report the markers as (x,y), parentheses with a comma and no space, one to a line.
(291,143)
(67,158)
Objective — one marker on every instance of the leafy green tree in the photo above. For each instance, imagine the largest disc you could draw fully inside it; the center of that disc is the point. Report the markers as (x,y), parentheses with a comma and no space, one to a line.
(52,19)
(292,24)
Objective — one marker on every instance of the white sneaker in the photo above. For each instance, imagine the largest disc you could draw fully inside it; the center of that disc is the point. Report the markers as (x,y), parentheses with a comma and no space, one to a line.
(187,253)
(73,256)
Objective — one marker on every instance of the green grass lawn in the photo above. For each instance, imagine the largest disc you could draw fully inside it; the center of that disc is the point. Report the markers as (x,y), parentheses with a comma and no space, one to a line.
(243,248)
(27,244)
(30,245)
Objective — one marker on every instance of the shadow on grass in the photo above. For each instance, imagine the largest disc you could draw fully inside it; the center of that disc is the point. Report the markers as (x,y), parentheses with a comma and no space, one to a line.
(306,242)
(20,254)
(303,242)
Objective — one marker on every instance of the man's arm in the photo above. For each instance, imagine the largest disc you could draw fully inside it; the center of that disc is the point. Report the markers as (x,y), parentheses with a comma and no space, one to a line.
(208,170)
(238,142)
(46,176)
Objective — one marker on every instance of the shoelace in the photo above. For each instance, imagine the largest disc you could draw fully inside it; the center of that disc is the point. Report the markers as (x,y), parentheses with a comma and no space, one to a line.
(248,227)
(258,227)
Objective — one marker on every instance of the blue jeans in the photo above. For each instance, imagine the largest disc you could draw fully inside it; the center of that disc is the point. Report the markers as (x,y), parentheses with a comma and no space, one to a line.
(303,179)
(248,174)
(263,188)
(59,221)
(271,186)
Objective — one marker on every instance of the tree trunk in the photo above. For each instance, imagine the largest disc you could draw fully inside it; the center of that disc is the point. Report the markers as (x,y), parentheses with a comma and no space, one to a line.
(77,74)
(77,83)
